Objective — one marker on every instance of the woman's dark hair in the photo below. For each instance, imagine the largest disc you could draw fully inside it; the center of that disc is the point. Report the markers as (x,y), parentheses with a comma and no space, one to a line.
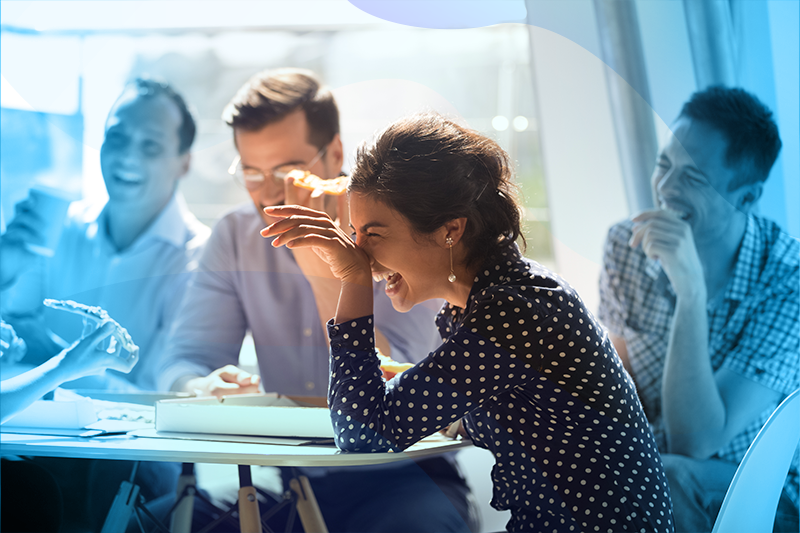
(431,170)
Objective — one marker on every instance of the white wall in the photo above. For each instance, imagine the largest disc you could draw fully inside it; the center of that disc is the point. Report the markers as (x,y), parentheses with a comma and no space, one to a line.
(579,149)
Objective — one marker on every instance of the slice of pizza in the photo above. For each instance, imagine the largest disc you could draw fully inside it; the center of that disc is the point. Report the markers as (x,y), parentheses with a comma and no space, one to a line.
(98,315)
(306,180)
(390,368)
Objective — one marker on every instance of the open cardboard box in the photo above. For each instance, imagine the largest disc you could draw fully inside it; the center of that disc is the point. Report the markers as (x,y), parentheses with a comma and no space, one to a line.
(269,414)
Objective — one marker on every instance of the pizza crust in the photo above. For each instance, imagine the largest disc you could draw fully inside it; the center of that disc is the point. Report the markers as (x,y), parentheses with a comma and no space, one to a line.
(306,180)
(390,368)
(98,314)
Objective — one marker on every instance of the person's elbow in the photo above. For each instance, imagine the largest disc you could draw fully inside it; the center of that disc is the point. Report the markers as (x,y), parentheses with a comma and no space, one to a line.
(352,436)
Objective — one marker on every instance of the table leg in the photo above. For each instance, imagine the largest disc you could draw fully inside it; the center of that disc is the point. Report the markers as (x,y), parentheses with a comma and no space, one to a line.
(307,506)
(182,515)
(121,510)
(249,515)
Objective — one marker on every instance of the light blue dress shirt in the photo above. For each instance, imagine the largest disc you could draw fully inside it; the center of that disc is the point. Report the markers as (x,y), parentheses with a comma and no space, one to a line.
(140,287)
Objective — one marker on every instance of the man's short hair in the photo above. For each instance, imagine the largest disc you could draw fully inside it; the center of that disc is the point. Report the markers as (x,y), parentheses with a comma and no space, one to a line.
(747,125)
(272,94)
(150,87)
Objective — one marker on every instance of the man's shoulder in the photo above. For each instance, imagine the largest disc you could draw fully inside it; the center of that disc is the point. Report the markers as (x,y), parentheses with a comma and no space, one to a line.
(197,233)
(237,230)
(239,218)
(781,253)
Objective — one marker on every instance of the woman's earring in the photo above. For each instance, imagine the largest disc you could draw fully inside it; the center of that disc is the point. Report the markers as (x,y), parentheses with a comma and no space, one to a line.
(452,277)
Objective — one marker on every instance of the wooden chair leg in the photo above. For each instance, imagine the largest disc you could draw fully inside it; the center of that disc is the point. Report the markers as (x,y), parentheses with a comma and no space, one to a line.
(181,521)
(307,506)
(249,514)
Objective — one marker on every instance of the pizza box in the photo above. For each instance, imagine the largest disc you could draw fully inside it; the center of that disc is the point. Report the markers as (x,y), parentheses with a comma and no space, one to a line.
(268,414)
(72,414)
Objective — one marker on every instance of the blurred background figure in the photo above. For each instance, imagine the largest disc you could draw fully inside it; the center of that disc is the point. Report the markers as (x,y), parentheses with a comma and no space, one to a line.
(701,298)
(128,254)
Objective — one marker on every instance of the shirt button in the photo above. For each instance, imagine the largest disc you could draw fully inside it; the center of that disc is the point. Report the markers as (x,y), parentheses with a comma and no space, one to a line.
(337,345)
(307,332)
(309,385)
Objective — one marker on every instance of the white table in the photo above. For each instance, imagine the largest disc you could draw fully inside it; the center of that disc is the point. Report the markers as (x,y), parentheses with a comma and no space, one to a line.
(182,450)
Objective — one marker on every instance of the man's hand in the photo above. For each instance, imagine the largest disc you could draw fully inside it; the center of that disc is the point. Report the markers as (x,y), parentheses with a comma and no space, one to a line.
(15,258)
(663,235)
(224,381)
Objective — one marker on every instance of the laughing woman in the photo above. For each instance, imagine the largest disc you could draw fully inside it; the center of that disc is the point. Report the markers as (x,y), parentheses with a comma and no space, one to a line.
(529,369)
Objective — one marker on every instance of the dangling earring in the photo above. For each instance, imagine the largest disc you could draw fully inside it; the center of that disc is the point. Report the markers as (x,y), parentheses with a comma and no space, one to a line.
(452,277)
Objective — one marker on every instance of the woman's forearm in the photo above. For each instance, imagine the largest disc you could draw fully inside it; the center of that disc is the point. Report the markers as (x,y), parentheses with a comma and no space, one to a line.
(20,391)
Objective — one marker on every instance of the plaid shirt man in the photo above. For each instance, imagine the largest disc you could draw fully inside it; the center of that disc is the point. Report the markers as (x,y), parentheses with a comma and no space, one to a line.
(754,328)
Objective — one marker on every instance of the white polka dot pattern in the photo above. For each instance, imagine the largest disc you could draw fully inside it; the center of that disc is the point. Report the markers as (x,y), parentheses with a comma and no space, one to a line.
(538,384)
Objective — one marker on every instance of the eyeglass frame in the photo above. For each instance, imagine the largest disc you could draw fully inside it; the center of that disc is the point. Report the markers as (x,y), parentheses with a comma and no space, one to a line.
(246,182)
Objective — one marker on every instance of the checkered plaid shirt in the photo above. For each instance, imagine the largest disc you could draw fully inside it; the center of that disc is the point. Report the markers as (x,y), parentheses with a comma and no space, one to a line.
(754,330)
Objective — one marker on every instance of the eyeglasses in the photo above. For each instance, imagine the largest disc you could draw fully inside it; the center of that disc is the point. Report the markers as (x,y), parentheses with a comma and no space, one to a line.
(253,179)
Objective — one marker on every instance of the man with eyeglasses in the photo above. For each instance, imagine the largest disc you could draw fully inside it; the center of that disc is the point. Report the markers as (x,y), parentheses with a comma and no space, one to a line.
(284,120)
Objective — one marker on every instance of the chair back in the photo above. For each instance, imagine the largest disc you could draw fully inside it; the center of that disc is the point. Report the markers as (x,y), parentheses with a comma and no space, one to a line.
(752,497)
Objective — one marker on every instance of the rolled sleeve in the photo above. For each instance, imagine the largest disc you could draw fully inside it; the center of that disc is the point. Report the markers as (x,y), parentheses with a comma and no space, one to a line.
(767,350)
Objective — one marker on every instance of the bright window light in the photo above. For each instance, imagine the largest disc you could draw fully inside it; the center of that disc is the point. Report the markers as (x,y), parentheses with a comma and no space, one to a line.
(500,123)
(520,123)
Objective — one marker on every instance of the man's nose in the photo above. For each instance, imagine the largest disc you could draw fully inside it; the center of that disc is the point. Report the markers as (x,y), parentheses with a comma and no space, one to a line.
(271,188)
(668,184)
(126,153)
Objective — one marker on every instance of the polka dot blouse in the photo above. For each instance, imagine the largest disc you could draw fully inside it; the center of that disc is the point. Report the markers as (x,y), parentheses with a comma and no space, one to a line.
(537,383)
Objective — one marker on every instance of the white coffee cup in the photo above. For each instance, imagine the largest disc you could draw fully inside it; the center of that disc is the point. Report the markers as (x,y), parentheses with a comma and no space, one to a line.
(51,206)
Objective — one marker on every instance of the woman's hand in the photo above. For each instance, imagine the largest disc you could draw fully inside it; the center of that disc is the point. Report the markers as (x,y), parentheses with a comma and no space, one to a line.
(302,227)
(87,356)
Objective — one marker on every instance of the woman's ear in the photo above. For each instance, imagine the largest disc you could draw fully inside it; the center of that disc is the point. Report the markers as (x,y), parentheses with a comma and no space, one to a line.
(454,229)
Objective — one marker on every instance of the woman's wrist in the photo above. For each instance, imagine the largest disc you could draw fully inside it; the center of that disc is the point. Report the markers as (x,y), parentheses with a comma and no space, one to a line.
(355,299)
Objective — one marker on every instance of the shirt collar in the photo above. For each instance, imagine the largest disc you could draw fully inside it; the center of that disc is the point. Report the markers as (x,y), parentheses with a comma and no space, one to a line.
(746,271)
(491,273)
(168,226)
